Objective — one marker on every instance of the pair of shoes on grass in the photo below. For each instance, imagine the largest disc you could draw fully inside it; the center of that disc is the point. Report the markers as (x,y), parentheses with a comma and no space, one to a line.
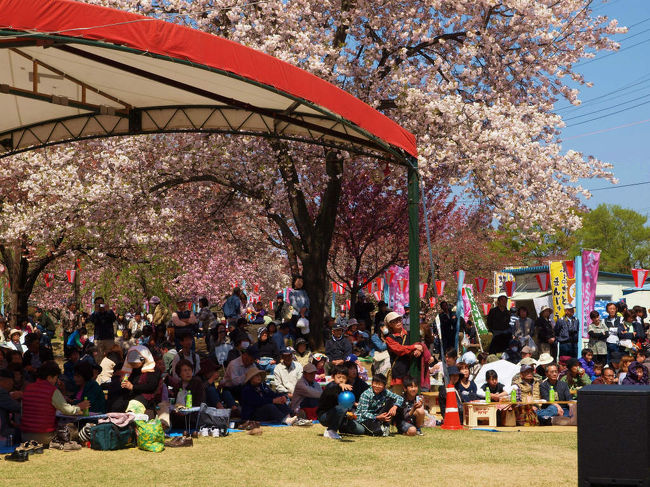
(178,441)
(67,446)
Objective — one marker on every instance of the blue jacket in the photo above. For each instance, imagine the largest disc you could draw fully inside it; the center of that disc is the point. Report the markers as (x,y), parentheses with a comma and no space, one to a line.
(566,329)
(255,397)
(232,307)
(299,299)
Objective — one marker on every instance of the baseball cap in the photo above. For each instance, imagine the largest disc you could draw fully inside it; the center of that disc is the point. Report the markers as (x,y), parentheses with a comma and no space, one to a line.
(309,368)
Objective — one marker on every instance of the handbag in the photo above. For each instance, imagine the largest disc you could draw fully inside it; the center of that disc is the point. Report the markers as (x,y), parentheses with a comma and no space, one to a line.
(151,436)
(210,417)
(108,437)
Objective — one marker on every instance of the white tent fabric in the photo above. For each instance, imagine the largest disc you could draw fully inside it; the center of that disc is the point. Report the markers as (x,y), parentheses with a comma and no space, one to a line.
(504,369)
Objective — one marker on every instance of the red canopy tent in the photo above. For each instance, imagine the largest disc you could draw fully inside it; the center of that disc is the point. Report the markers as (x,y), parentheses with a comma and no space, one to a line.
(72,71)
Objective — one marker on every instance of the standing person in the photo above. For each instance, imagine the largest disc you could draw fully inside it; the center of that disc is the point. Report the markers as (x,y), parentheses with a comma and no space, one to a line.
(612,322)
(382,311)
(524,329)
(598,333)
(566,332)
(401,354)
(103,319)
(281,308)
(545,329)
(447,321)
(639,324)
(183,321)
(232,306)
(69,321)
(626,332)
(299,301)
(363,308)
(498,322)
(207,323)
(160,316)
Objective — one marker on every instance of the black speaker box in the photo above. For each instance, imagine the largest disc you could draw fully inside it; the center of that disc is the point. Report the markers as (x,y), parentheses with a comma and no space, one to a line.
(614,436)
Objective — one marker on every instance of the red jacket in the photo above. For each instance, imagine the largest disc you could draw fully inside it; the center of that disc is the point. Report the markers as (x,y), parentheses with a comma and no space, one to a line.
(39,415)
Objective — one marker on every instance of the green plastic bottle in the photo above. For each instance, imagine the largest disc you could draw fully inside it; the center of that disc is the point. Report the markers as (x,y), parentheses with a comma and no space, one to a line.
(86,410)
(513,396)
(551,394)
(188,399)
(487,395)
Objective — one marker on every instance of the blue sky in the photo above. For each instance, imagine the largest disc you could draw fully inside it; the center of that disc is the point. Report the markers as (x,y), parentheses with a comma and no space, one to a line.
(627,74)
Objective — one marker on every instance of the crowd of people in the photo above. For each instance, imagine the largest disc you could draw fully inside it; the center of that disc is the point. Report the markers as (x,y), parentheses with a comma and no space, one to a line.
(261,368)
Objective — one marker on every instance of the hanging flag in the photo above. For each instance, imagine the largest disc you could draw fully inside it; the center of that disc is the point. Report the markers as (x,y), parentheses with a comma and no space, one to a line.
(377,295)
(510,288)
(70,274)
(460,304)
(543,281)
(475,312)
(423,289)
(440,287)
(333,310)
(256,288)
(458,276)
(570,269)
(79,264)
(347,304)
(342,288)
(48,279)
(486,308)
(369,287)
(379,282)
(271,304)
(559,288)
(640,276)
(403,284)
(391,276)
(481,282)
(432,302)
(335,287)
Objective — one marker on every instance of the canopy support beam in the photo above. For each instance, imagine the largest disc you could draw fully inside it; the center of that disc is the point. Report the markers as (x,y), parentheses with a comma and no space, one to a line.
(414,249)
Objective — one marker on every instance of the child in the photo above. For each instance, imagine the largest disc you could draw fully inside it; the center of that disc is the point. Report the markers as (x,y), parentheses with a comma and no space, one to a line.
(361,370)
(466,386)
(497,389)
(320,360)
(359,385)
(587,363)
(413,410)
(378,407)
(598,372)
(332,415)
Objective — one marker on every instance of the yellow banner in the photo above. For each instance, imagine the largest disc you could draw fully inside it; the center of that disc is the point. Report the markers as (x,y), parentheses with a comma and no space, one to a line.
(563,288)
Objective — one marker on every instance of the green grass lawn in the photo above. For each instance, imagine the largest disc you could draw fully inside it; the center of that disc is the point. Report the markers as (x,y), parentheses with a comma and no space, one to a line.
(302,457)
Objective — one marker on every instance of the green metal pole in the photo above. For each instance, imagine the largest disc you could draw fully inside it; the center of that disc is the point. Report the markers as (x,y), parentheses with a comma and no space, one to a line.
(414,250)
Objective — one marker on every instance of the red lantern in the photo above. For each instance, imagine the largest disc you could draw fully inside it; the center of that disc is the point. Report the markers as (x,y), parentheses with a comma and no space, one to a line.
(440,287)
(335,287)
(570,269)
(256,288)
(369,287)
(481,282)
(377,295)
(347,304)
(271,305)
(543,281)
(640,276)
(380,284)
(486,308)
(391,277)
(342,288)
(432,302)
(423,289)
(510,288)
(70,274)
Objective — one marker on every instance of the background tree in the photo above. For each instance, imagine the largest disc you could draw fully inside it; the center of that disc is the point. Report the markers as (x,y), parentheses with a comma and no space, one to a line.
(621,234)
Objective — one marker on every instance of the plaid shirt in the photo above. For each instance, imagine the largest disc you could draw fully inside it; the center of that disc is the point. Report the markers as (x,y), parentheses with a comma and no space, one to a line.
(370,403)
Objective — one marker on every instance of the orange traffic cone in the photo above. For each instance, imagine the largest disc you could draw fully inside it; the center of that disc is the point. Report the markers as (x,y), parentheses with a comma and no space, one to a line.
(452,418)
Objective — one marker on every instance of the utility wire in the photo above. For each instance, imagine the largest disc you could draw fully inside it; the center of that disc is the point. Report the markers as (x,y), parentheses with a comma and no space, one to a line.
(620,186)
(607,108)
(609,114)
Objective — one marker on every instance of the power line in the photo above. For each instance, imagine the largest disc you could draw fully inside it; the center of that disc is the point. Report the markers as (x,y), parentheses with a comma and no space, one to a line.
(612,53)
(608,129)
(620,186)
(609,114)
(639,81)
(607,108)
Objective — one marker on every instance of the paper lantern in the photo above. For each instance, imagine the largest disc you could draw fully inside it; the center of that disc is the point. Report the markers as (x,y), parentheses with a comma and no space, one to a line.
(379,283)
(391,277)
(256,288)
(440,287)
(347,304)
(432,302)
(342,288)
(639,276)
(377,295)
(481,282)
(510,288)
(369,287)
(570,269)
(543,281)
(335,287)
(271,305)
(423,289)
(70,273)
(486,308)
(403,285)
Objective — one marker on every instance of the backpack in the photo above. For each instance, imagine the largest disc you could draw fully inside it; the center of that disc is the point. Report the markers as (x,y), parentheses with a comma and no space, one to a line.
(108,436)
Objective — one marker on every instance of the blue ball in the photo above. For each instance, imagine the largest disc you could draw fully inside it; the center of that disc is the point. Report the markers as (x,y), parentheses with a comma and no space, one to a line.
(346,399)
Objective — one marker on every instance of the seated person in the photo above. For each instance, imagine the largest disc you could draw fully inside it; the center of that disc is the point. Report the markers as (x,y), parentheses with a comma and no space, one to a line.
(35,355)
(359,386)
(333,416)
(497,389)
(14,342)
(466,386)
(338,347)
(302,355)
(413,412)
(283,337)
(90,354)
(185,353)
(378,407)
(636,375)
(286,373)
(547,411)
(608,377)
(260,403)
(72,355)
(88,389)
(454,377)
(9,406)
(266,350)
(361,370)
(138,386)
(108,365)
(587,362)
(209,374)
(41,401)
(575,378)
(169,353)
(307,393)
(513,353)
(241,343)
(320,361)
(184,382)
(126,341)
(527,383)
(235,375)
(221,344)
(78,338)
